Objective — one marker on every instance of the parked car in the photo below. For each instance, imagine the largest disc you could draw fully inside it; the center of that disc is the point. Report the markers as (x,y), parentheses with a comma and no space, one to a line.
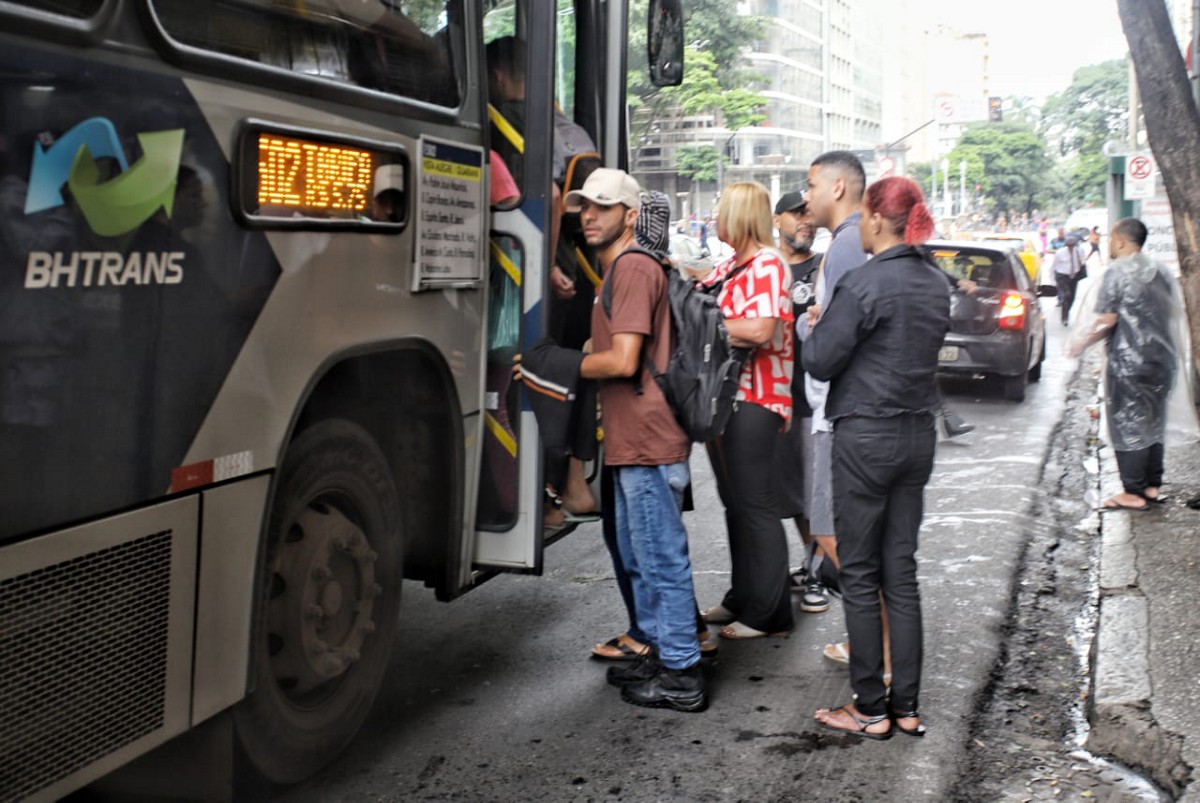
(998,330)
(687,255)
(1026,250)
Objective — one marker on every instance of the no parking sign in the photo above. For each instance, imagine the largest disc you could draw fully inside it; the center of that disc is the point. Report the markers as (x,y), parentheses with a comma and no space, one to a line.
(1139,176)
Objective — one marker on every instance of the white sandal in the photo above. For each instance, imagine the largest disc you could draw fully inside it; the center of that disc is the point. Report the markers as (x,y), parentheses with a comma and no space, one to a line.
(838,652)
(718,615)
(737,630)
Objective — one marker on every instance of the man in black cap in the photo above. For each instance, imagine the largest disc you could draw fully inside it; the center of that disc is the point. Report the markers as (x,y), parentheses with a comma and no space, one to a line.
(794,450)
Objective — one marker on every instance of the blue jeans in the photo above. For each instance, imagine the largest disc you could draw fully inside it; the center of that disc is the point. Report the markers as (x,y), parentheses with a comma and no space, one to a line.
(654,549)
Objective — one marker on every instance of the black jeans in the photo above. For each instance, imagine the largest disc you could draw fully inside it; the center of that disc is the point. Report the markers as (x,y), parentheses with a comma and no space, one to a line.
(880,467)
(759,594)
(1066,294)
(1141,468)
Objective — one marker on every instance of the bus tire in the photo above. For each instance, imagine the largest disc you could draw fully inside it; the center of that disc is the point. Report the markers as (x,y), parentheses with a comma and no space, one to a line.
(330,595)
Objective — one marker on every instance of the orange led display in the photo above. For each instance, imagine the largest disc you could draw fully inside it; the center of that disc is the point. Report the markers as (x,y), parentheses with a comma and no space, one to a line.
(322,179)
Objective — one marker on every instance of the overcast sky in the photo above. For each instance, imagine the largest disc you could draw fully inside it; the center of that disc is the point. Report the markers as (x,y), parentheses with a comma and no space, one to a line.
(1036,45)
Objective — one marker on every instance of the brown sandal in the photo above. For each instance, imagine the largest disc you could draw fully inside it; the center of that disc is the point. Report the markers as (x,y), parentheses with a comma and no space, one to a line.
(621,648)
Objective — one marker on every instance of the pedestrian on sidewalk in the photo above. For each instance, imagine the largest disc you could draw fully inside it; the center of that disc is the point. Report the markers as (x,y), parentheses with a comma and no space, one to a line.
(1068,270)
(877,345)
(793,481)
(754,292)
(1136,313)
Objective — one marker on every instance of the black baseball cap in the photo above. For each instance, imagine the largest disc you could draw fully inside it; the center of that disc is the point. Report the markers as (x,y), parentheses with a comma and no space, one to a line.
(794,201)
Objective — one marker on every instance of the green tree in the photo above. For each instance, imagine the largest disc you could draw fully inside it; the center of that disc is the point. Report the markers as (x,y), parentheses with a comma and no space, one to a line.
(1092,110)
(697,163)
(1008,160)
(713,26)
(1022,109)
(716,35)
(701,92)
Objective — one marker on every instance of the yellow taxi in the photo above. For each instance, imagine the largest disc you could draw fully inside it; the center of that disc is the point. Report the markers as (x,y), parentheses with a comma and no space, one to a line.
(1026,250)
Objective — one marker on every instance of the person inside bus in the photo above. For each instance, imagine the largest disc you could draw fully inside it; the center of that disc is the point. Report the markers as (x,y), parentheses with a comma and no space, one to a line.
(569,311)
(387,202)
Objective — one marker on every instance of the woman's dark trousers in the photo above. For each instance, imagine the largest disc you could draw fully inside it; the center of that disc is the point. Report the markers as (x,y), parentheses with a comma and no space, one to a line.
(880,467)
(741,460)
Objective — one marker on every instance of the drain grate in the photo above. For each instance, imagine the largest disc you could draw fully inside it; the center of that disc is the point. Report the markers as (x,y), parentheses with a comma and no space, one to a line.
(83,660)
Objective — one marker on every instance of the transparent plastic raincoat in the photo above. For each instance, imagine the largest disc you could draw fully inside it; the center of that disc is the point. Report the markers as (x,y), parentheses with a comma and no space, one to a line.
(1145,347)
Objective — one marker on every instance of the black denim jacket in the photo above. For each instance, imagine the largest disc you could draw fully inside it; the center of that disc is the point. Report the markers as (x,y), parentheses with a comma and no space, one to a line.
(877,342)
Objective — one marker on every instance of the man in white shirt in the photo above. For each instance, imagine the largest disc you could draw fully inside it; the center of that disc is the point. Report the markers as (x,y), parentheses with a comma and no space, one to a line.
(1068,264)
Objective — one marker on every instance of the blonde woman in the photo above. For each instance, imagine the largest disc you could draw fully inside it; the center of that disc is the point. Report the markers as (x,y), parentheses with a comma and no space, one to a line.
(753,291)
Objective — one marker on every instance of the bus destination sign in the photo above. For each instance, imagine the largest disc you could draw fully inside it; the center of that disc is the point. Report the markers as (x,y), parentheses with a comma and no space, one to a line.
(313,177)
(307,179)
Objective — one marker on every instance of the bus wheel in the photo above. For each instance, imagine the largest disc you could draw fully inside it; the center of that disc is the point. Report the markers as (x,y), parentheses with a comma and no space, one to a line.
(332,589)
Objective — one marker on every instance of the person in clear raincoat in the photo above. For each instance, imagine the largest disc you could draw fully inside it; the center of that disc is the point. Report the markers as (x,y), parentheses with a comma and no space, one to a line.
(1138,311)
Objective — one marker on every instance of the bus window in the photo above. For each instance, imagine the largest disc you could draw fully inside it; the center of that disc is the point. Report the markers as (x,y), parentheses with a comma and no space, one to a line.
(404,48)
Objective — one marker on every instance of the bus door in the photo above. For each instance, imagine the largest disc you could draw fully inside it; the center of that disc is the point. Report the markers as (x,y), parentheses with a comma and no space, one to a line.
(523,87)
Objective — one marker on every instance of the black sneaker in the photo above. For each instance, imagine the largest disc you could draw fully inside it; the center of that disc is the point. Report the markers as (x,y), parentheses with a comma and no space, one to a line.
(644,668)
(680,689)
(815,600)
(954,425)
(799,579)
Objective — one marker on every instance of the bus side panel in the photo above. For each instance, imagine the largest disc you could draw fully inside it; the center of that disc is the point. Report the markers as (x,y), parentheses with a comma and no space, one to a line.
(229,543)
(95,647)
(126,288)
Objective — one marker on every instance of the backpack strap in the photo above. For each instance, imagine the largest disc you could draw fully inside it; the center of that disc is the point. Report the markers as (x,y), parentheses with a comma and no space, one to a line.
(606,304)
(606,293)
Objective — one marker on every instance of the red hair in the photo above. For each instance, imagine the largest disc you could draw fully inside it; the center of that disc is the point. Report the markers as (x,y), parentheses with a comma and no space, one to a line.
(900,202)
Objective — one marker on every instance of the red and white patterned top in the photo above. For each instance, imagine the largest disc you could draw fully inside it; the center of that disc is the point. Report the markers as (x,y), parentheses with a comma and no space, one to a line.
(761,290)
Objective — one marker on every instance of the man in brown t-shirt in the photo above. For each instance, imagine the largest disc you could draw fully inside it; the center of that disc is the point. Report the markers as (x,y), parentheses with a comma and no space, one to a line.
(644,446)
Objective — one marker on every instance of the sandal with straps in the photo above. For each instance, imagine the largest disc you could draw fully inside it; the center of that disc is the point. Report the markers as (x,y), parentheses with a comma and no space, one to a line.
(862,722)
(918,731)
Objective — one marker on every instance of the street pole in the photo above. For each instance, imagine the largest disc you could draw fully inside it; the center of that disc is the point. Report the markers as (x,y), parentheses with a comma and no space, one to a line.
(946,187)
(720,171)
(933,182)
(962,187)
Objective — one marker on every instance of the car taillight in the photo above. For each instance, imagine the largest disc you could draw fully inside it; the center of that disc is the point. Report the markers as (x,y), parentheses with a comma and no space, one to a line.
(1012,311)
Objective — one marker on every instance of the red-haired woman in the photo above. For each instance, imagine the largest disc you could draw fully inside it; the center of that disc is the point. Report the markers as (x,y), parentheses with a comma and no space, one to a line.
(877,344)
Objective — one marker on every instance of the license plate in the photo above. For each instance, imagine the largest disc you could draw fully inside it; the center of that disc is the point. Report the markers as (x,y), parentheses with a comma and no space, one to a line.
(948,354)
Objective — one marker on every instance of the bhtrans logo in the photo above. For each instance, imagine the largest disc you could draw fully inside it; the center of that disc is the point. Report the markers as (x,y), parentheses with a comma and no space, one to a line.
(111,208)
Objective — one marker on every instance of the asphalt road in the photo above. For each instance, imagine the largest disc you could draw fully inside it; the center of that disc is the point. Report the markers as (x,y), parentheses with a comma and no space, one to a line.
(492,697)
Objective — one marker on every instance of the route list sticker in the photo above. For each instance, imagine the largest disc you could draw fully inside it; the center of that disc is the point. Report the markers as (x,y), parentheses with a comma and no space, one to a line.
(449,215)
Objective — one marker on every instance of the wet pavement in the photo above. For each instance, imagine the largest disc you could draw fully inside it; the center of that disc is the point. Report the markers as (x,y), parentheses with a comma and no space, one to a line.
(1145,709)
(493,698)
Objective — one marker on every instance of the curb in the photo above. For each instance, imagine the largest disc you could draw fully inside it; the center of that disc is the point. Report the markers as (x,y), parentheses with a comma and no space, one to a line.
(1122,725)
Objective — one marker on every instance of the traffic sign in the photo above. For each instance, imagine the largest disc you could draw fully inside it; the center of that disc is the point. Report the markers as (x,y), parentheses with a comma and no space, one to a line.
(886,165)
(1139,176)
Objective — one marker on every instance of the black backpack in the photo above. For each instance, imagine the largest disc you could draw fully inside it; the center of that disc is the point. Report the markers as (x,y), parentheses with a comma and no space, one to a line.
(701,378)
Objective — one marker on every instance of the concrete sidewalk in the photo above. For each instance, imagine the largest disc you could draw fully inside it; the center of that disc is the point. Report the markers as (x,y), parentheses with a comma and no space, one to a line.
(1145,711)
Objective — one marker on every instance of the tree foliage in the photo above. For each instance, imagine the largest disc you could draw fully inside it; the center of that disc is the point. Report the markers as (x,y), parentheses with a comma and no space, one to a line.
(1092,110)
(696,162)
(1008,160)
(702,92)
(715,77)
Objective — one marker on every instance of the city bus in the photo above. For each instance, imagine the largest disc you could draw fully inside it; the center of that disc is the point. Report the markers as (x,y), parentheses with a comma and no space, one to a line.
(248,268)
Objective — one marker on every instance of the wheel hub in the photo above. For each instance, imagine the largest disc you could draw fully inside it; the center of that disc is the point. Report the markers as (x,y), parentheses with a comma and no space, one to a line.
(320,612)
